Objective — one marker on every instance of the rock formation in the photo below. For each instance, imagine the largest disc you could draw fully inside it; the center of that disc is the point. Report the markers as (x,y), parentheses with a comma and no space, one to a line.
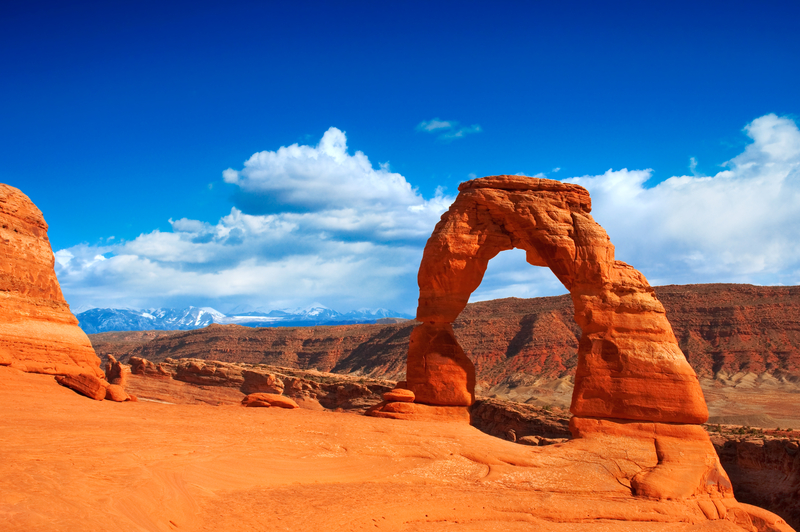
(38,333)
(269,399)
(629,363)
(193,381)
(634,391)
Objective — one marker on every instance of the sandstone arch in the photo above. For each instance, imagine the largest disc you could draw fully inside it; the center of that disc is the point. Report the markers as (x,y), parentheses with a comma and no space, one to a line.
(629,364)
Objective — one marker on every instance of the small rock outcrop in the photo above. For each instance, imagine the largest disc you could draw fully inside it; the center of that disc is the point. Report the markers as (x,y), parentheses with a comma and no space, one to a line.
(117,372)
(269,399)
(84,384)
(38,333)
(224,383)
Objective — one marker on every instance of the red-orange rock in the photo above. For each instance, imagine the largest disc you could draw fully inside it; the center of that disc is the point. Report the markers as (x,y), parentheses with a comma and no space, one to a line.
(682,461)
(261,382)
(629,362)
(84,384)
(117,372)
(115,392)
(38,333)
(269,399)
(420,412)
(399,395)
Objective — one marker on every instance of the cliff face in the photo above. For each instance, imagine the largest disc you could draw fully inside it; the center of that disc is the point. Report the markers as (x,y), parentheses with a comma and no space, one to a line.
(765,472)
(728,328)
(38,333)
(368,349)
(723,329)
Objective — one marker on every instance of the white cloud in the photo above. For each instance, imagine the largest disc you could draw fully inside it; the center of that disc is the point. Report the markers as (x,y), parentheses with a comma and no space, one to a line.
(360,243)
(342,231)
(447,129)
(740,225)
(322,177)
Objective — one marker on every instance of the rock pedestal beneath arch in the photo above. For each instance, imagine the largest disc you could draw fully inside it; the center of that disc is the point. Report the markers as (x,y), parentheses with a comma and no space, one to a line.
(38,333)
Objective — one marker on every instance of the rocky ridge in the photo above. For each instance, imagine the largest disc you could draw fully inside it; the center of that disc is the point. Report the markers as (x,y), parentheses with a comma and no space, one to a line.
(727,331)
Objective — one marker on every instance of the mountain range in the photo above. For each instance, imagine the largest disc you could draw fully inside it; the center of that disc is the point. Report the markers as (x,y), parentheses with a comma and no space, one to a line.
(98,320)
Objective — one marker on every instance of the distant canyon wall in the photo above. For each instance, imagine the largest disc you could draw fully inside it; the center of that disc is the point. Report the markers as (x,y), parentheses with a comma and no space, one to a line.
(723,329)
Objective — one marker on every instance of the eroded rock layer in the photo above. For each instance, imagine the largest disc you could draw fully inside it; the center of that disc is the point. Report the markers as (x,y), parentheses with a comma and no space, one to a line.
(39,334)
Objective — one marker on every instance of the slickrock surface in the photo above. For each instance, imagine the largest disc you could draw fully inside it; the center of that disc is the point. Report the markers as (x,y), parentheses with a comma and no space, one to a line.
(38,333)
(158,467)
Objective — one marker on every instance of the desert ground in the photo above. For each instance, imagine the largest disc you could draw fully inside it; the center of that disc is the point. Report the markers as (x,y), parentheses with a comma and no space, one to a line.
(158,467)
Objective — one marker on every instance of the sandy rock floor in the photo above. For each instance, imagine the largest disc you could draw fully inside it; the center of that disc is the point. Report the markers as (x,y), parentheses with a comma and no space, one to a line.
(70,463)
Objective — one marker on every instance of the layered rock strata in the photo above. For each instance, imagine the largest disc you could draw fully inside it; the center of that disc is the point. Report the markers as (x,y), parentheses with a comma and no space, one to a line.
(520,347)
(39,334)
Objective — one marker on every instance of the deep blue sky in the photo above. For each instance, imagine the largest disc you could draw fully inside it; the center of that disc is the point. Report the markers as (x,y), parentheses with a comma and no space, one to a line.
(117,116)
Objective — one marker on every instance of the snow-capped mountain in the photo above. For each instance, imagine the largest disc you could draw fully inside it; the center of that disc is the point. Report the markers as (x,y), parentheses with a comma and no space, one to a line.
(98,320)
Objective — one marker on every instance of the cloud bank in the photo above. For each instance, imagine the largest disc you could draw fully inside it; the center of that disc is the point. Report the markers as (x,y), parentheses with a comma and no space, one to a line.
(317,223)
(741,225)
(341,232)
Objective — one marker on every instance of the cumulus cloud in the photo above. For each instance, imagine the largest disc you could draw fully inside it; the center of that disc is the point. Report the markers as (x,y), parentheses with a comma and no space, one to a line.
(739,225)
(447,129)
(343,232)
(317,223)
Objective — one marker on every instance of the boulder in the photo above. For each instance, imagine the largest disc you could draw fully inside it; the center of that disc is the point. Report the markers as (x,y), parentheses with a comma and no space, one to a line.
(261,382)
(85,384)
(399,395)
(269,399)
(115,392)
(38,332)
(142,366)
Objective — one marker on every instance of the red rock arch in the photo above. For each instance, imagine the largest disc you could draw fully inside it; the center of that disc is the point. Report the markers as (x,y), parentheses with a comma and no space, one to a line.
(629,363)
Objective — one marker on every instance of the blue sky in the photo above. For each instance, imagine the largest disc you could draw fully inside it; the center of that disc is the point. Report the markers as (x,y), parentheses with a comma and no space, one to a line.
(121,118)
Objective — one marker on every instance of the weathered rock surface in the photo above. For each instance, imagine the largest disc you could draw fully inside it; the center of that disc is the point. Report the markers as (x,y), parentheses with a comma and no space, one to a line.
(763,467)
(399,395)
(629,363)
(269,399)
(217,382)
(84,384)
(38,333)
